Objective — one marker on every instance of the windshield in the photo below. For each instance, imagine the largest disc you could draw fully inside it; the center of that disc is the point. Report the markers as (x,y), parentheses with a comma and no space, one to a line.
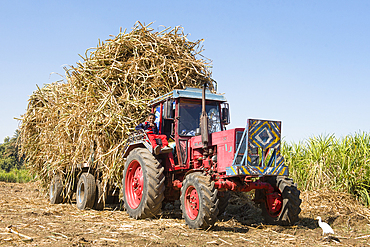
(190,113)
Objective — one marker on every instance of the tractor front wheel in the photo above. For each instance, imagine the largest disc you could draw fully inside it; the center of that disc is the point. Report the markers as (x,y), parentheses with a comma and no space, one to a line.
(143,184)
(199,203)
(284,206)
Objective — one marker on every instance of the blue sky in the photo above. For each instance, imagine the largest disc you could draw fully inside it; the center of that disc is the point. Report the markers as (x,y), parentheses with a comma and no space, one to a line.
(306,63)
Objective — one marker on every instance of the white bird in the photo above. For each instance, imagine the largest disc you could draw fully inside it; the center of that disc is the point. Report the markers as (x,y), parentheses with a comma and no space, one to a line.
(324,226)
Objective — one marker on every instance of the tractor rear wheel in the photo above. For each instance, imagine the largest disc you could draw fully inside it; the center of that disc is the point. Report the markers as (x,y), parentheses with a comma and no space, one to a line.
(199,203)
(55,190)
(288,203)
(143,184)
(86,190)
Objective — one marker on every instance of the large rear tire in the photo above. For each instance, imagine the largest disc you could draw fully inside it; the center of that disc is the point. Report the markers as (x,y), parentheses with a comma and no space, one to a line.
(199,203)
(288,193)
(143,184)
(86,190)
(56,190)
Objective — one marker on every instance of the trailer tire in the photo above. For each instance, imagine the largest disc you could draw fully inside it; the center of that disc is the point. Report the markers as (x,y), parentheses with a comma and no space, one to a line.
(56,190)
(86,190)
(99,197)
(143,184)
(223,200)
(199,203)
(290,209)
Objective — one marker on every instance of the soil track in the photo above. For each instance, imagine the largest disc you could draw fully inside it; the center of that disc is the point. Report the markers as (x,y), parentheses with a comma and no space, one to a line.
(26,210)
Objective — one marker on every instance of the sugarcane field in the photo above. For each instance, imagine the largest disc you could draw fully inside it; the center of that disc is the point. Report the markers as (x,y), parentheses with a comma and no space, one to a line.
(132,147)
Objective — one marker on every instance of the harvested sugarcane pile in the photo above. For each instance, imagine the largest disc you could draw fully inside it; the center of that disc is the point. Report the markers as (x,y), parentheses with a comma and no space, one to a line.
(88,117)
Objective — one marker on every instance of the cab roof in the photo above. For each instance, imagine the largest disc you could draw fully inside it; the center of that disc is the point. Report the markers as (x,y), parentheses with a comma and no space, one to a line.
(192,93)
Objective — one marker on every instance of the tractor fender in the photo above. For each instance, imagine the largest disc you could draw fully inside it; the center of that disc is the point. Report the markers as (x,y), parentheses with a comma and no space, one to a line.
(137,139)
(192,171)
(131,147)
(177,184)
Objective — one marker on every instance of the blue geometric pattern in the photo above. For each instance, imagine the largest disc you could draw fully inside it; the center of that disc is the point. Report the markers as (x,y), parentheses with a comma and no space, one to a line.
(266,136)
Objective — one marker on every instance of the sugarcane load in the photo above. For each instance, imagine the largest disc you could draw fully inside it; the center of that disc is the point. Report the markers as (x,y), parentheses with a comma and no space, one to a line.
(88,136)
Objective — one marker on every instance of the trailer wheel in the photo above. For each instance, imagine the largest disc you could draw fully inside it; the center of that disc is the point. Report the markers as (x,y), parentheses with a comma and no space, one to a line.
(199,203)
(143,184)
(287,193)
(86,190)
(55,190)
(99,197)
(223,200)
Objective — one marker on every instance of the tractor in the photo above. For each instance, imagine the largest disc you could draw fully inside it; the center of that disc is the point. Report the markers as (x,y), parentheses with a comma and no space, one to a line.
(207,162)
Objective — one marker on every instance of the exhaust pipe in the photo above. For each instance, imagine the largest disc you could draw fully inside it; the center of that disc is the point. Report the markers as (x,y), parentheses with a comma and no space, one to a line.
(204,120)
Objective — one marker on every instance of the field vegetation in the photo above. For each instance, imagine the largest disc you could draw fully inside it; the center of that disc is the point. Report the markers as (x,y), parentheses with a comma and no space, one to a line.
(327,162)
(9,154)
(11,163)
(16,176)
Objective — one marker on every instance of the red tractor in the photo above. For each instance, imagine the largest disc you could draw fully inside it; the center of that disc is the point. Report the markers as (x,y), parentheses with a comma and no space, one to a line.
(207,162)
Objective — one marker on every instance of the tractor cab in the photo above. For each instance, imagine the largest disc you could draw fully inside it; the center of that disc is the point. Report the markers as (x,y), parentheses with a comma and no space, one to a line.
(178,112)
(178,117)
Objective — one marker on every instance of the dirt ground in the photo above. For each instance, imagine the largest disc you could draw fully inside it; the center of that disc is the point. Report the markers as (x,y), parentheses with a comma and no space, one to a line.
(27,219)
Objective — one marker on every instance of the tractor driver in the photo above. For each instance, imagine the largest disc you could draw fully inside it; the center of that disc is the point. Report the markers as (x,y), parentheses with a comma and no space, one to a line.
(159,142)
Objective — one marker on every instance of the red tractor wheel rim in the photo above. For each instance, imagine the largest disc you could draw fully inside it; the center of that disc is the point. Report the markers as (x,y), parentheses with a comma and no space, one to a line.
(274,203)
(134,183)
(191,202)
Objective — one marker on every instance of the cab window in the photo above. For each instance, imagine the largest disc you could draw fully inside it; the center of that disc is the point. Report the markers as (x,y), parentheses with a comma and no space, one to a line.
(190,112)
